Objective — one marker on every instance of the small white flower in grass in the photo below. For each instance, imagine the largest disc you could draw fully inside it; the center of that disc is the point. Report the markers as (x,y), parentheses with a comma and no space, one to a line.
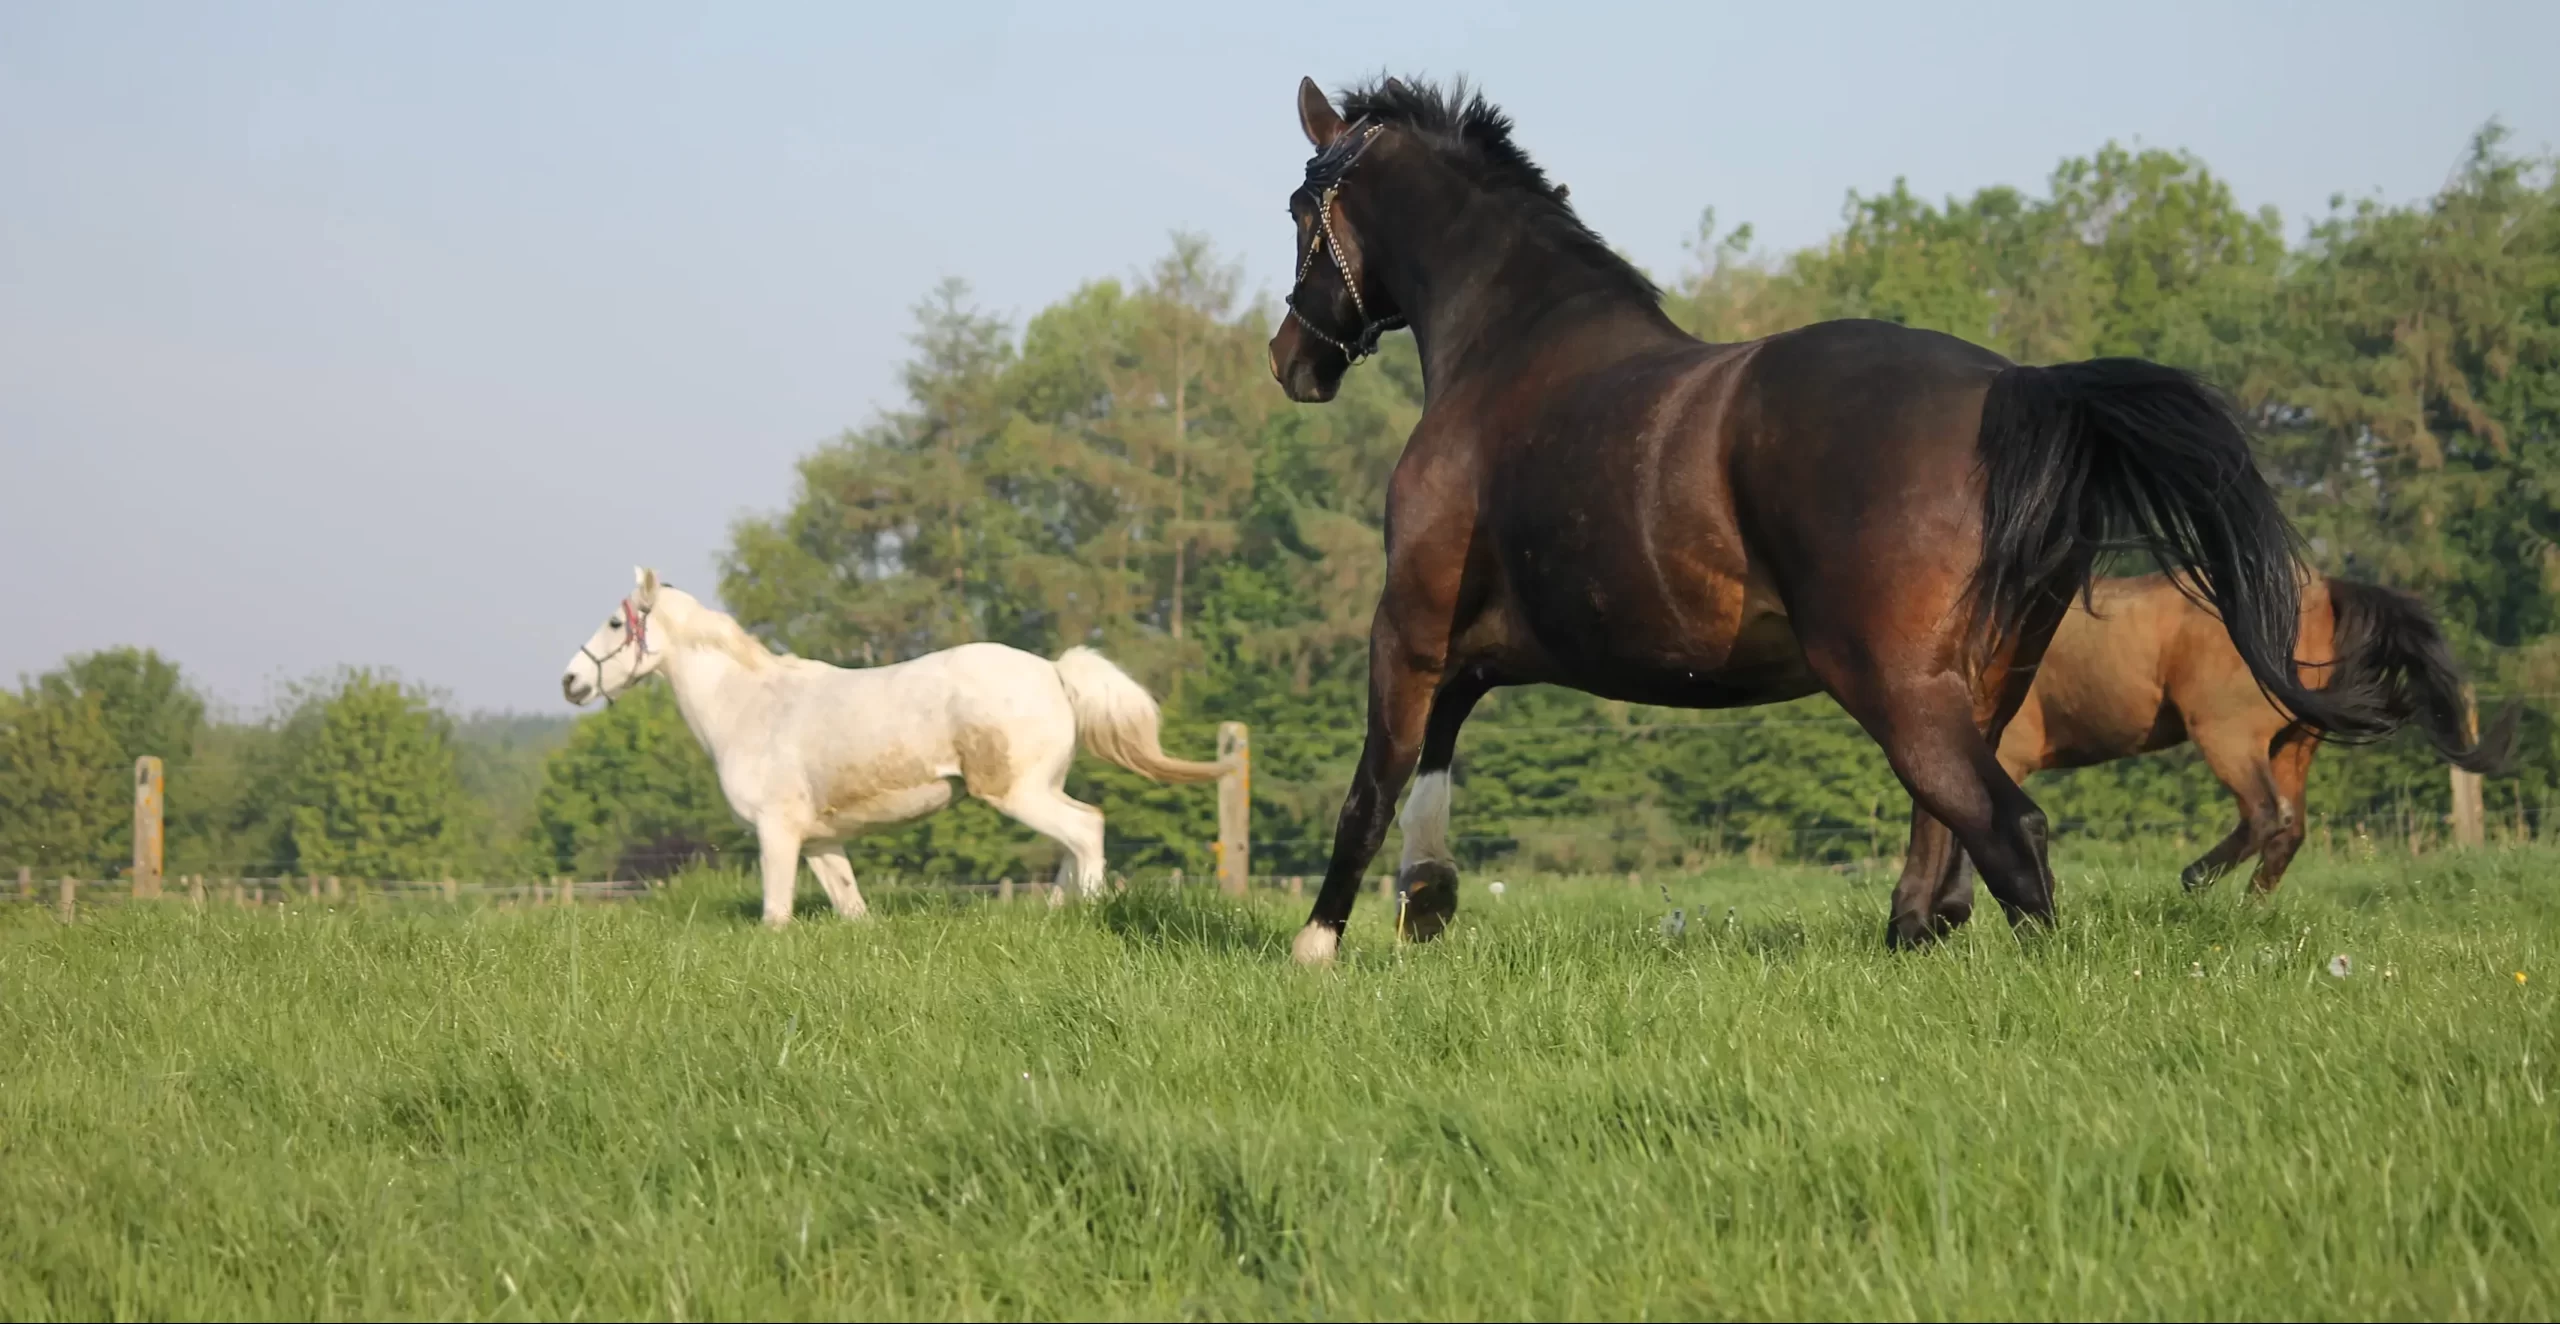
(2341,966)
(1494,887)
(2195,969)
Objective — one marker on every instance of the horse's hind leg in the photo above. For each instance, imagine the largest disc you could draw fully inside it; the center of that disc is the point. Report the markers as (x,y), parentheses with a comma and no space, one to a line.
(1930,734)
(1427,876)
(2292,775)
(2239,761)
(835,873)
(1934,896)
(1068,821)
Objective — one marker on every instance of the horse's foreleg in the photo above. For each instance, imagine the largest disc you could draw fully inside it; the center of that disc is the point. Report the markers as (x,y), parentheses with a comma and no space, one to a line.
(1427,875)
(780,845)
(1399,699)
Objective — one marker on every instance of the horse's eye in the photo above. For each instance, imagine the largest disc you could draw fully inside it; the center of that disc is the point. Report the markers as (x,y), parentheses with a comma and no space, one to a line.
(613,624)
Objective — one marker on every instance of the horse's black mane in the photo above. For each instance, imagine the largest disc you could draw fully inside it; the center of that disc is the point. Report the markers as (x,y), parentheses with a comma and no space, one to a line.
(1475,135)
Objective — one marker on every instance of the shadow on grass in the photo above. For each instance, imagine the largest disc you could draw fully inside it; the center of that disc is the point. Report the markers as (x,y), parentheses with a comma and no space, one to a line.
(1164,918)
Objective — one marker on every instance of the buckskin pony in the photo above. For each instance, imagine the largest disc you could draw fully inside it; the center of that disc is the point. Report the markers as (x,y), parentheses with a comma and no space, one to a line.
(2142,668)
(1594,498)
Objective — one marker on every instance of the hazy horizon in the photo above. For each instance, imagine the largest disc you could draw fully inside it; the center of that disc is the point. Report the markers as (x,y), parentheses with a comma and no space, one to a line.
(395,336)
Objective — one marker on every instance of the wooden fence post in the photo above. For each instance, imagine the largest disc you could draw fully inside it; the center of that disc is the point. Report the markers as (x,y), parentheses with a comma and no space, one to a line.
(1235,809)
(1387,887)
(1004,889)
(148,856)
(195,890)
(26,883)
(335,891)
(68,904)
(2468,820)
(452,891)
(568,891)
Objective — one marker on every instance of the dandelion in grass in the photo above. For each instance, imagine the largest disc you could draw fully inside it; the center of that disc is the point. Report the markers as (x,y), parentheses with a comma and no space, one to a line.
(2341,966)
(2519,976)
(1494,887)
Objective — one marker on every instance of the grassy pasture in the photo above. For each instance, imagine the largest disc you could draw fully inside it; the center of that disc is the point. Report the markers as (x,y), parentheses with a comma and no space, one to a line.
(2168,1107)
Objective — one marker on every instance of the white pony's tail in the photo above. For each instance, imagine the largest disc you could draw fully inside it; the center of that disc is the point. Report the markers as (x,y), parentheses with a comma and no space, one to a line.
(1117,719)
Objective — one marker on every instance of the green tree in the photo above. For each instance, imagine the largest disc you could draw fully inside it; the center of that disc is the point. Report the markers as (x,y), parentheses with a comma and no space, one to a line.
(632,795)
(62,787)
(372,784)
(149,708)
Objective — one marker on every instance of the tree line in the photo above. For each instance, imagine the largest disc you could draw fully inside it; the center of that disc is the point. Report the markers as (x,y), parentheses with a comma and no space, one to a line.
(1119,471)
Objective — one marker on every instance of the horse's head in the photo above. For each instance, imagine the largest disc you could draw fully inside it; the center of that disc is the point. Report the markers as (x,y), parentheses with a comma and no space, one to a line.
(1337,308)
(622,654)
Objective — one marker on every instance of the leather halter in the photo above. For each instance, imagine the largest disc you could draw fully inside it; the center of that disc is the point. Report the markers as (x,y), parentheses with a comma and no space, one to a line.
(635,634)
(1319,172)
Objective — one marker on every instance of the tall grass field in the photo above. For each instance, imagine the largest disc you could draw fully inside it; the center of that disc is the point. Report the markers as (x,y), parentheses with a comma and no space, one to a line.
(2167,1107)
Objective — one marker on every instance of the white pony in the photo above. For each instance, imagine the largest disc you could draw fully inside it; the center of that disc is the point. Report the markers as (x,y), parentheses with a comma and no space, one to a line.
(811,754)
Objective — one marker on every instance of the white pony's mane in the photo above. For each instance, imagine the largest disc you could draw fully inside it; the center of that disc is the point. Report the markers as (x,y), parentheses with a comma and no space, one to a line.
(697,626)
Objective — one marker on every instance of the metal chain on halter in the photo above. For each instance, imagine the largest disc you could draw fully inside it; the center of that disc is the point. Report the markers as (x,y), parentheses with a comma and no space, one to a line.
(635,632)
(1366,342)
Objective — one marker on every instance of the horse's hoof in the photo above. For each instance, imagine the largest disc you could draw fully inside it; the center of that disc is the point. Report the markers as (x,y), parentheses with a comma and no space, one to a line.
(1948,919)
(2196,878)
(777,922)
(1430,900)
(1316,945)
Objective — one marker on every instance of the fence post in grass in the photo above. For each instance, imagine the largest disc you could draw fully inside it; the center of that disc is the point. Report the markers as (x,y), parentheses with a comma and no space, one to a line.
(1387,887)
(68,904)
(336,892)
(2468,820)
(1297,887)
(568,891)
(195,890)
(452,890)
(1004,890)
(26,883)
(1235,809)
(147,854)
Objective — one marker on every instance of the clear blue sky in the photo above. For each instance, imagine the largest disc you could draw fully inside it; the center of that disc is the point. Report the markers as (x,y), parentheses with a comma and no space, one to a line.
(397,333)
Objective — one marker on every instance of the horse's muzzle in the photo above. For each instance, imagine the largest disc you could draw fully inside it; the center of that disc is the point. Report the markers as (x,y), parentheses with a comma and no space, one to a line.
(575,690)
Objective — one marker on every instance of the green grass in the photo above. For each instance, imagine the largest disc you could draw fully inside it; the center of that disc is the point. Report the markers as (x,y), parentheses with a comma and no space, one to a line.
(1140,1108)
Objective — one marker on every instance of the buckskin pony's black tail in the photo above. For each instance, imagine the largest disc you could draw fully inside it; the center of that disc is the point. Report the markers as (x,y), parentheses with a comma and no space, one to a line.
(2113,454)
(2388,642)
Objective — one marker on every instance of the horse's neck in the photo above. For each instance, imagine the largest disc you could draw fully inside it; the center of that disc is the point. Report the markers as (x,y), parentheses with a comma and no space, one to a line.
(1477,284)
(712,690)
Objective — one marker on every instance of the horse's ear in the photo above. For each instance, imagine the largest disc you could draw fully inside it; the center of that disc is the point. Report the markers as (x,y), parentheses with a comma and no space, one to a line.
(1396,85)
(1317,116)
(645,586)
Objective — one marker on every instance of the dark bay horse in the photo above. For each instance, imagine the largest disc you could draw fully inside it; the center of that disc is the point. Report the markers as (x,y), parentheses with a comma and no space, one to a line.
(1596,499)
(2141,667)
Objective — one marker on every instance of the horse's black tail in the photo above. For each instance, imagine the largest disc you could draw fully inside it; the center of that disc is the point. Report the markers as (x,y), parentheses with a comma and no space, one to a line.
(2388,643)
(2113,454)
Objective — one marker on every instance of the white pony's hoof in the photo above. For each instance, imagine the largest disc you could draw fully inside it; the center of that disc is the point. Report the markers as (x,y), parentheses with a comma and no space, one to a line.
(1316,945)
(1057,898)
(777,921)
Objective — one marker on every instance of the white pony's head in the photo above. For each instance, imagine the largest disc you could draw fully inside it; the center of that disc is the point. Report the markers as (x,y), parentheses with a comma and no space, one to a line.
(623,653)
